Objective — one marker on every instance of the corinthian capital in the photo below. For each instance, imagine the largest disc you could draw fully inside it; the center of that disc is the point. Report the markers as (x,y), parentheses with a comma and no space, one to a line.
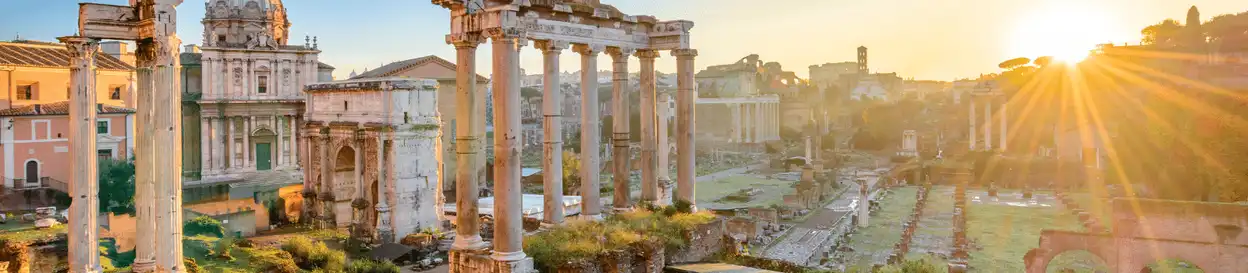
(688,53)
(588,50)
(465,40)
(647,54)
(550,46)
(82,50)
(620,53)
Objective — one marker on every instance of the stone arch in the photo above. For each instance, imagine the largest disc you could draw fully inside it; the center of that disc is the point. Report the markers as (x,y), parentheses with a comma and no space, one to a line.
(343,182)
(1144,252)
(1079,255)
(1169,266)
(1053,243)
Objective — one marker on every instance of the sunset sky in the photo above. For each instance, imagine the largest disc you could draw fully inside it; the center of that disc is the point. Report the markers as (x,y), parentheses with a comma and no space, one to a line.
(922,39)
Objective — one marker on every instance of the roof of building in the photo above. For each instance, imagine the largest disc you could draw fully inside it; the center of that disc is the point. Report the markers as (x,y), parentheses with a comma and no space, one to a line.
(400,66)
(51,55)
(58,108)
(188,58)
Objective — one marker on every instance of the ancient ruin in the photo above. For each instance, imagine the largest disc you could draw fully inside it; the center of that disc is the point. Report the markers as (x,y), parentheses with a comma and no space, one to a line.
(1207,235)
(985,96)
(152,24)
(590,28)
(370,156)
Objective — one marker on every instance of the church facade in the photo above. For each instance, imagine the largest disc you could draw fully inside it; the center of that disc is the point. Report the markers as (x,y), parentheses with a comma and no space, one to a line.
(250,95)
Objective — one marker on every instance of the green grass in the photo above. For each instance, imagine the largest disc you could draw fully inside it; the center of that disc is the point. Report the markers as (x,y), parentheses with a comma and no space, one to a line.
(935,230)
(32,234)
(1005,233)
(212,264)
(772,192)
(874,243)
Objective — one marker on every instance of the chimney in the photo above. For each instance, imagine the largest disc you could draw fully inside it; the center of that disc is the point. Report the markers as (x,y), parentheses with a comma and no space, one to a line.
(119,50)
(38,109)
(191,49)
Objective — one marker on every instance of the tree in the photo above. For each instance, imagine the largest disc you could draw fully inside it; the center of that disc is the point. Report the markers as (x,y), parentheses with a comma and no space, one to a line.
(1015,62)
(1043,61)
(1164,34)
(116,178)
(571,173)
(530,93)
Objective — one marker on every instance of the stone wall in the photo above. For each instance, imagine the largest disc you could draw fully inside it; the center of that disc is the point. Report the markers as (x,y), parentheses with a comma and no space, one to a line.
(704,241)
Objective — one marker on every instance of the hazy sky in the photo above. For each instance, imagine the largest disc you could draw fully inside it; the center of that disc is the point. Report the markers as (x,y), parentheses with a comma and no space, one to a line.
(922,39)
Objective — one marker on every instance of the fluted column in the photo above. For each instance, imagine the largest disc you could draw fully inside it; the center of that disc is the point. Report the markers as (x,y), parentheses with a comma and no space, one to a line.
(735,136)
(221,140)
(988,124)
(649,136)
(205,139)
(231,150)
(278,143)
(686,124)
(294,141)
(664,150)
(508,222)
(84,255)
(1003,126)
(620,127)
(760,124)
(971,132)
(552,125)
(248,122)
(167,115)
(467,143)
(591,134)
(144,162)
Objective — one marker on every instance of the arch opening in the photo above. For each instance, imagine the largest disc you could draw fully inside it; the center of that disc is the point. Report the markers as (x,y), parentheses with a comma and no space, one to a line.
(1076,261)
(344,184)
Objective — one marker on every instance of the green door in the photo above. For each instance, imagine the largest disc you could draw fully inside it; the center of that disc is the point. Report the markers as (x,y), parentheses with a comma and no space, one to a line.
(263,158)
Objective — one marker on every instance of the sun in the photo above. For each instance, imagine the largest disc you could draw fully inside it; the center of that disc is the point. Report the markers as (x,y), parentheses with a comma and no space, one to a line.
(1068,34)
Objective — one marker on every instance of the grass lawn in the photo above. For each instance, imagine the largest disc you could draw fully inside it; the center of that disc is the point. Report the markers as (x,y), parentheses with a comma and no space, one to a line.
(935,231)
(873,243)
(30,233)
(1004,232)
(771,192)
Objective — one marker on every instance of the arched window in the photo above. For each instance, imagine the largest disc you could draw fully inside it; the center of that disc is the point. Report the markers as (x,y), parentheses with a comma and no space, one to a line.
(32,171)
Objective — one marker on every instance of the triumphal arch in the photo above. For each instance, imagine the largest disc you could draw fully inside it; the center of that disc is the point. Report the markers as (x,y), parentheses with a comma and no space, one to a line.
(152,25)
(589,28)
(370,149)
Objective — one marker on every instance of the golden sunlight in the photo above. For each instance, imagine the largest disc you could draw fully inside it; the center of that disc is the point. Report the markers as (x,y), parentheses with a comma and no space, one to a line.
(1066,33)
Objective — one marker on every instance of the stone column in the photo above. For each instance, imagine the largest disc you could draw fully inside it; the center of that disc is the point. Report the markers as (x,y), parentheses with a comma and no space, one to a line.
(144,162)
(971,132)
(620,171)
(277,149)
(649,136)
(988,124)
(249,123)
(760,122)
(167,115)
(84,254)
(205,139)
(664,150)
(294,140)
(467,142)
(231,150)
(552,125)
(591,134)
(221,139)
(508,222)
(735,137)
(384,229)
(1003,126)
(686,124)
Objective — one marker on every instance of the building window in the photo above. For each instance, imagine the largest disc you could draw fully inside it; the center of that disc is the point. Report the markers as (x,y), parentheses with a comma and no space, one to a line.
(263,84)
(221,39)
(101,127)
(116,94)
(104,154)
(25,92)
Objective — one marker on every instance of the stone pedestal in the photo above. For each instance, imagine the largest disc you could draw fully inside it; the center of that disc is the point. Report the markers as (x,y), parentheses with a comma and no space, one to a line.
(479,261)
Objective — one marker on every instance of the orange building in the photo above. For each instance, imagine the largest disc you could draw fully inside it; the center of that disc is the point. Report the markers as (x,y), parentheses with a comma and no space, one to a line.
(34,113)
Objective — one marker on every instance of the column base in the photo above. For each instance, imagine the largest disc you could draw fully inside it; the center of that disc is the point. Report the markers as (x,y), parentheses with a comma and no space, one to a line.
(480,261)
(143,266)
(469,244)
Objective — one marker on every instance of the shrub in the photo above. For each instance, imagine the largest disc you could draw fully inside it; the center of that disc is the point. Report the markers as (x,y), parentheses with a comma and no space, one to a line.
(203,225)
(372,266)
(197,247)
(223,248)
(924,265)
(683,206)
(244,243)
(190,265)
(272,260)
(309,255)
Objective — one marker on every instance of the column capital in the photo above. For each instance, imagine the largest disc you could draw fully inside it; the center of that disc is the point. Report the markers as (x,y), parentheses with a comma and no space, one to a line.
(505,34)
(647,54)
(688,53)
(82,50)
(620,53)
(588,49)
(465,40)
(550,46)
